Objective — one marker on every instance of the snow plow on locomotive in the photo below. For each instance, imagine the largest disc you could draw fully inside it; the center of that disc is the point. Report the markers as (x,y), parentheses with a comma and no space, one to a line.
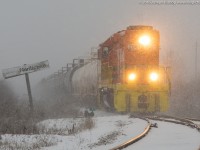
(124,75)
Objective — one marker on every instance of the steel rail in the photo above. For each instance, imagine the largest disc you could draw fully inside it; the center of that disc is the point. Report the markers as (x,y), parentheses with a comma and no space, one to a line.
(193,119)
(135,139)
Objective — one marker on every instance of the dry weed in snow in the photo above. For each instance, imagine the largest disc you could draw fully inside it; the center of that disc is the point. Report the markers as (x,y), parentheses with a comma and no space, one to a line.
(27,142)
(120,123)
(65,126)
(88,123)
(107,139)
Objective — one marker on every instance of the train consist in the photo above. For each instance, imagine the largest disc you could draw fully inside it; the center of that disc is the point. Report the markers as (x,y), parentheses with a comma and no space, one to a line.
(124,75)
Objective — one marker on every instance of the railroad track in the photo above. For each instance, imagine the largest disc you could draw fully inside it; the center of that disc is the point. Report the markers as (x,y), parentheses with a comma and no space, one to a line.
(137,138)
(176,120)
(183,121)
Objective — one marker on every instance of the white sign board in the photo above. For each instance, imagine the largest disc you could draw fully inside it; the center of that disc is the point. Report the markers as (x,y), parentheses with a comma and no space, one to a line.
(20,70)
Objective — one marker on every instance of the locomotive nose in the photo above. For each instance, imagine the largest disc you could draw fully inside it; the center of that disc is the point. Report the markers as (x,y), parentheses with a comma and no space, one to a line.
(143,101)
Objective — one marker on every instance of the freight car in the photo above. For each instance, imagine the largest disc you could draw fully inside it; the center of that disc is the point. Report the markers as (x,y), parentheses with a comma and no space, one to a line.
(124,76)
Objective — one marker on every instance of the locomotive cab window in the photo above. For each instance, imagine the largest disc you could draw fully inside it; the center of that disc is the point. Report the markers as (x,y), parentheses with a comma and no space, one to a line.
(105,51)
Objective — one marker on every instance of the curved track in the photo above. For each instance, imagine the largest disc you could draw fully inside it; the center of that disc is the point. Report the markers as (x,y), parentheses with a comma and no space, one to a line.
(173,133)
(135,139)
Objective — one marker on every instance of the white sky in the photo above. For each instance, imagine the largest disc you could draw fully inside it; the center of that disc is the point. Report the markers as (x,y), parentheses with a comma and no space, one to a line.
(60,30)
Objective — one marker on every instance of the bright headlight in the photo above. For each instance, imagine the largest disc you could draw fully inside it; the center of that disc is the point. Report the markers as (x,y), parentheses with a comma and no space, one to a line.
(144,40)
(153,76)
(131,76)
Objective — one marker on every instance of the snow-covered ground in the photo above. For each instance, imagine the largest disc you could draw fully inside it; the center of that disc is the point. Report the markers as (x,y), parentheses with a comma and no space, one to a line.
(109,131)
(169,136)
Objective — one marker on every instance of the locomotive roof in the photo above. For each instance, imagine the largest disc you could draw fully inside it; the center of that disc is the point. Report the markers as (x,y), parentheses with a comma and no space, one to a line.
(139,27)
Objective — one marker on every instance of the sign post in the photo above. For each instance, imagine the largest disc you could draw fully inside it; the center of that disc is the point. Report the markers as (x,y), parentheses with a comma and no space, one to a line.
(29,92)
(25,69)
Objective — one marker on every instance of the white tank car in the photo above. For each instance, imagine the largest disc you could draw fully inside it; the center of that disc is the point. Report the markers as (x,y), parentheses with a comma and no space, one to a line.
(67,81)
(84,80)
